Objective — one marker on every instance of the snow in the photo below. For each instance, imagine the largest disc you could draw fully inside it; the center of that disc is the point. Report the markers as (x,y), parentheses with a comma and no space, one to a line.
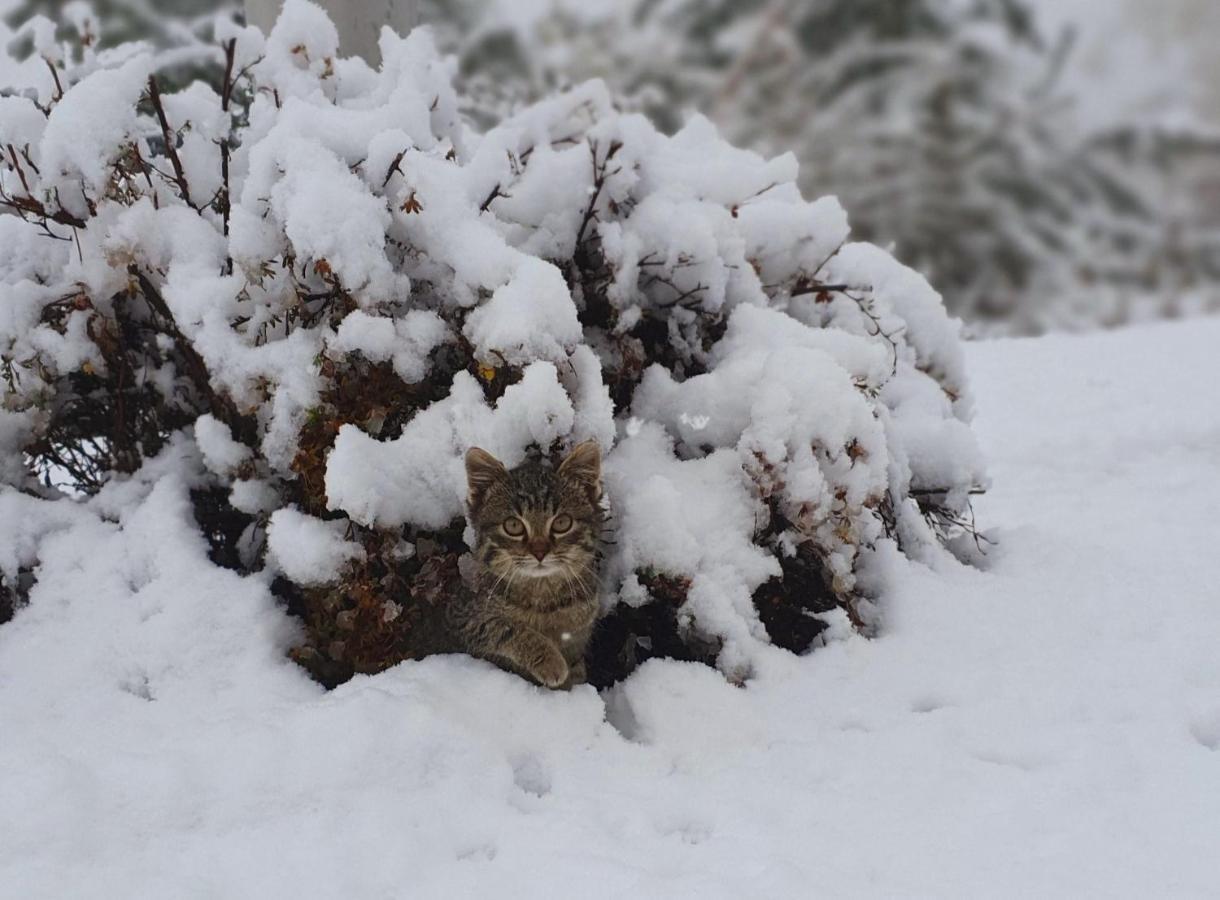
(1046,727)
(793,414)
(307,549)
(326,212)
(406,341)
(88,128)
(199,112)
(419,477)
(221,454)
(300,50)
(531,317)
(692,516)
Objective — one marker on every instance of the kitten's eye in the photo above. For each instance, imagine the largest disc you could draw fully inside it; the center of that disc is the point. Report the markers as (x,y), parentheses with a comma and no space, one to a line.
(561,524)
(513,527)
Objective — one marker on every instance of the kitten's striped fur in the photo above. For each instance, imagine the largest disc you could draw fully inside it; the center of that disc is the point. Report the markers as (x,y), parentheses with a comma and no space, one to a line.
(534,602)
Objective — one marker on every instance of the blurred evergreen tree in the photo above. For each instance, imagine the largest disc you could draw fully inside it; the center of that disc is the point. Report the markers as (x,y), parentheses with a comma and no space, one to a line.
(163,22)
(938,123)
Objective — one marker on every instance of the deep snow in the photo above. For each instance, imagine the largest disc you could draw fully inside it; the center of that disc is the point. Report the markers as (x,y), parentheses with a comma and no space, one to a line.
(1050,727)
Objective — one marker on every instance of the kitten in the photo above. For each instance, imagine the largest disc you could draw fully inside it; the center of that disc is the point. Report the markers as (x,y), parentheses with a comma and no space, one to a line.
(534,602)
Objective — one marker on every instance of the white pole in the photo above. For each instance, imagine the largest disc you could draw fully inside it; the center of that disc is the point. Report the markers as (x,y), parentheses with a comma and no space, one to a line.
(359,21)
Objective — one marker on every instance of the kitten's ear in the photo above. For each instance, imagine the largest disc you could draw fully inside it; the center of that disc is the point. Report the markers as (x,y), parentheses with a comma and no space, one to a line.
(482,471)
(584,465)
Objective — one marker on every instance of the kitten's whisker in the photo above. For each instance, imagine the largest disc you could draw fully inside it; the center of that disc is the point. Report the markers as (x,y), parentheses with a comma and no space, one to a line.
(509,577)
(496,584)
(575,582)
(568,581)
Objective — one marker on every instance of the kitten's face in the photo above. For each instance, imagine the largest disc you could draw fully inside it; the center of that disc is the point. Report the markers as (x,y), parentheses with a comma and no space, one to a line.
(536,522)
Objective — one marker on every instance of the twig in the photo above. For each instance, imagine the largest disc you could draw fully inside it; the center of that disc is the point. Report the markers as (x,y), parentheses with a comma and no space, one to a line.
(495,192)
(34,207)
(939,492)
(224,199)
(171,142)
(395,166)
(599,183)
(146,168)
(25,153)
(833,253)
(864,304)
(59,88)
(12,151)
(814,287)
(682,296)
(243,427)
(226,86)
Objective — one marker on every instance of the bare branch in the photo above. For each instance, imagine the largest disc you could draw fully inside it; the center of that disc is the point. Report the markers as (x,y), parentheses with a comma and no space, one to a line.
(171,142)
(395,166)
(243,427)
(59,88)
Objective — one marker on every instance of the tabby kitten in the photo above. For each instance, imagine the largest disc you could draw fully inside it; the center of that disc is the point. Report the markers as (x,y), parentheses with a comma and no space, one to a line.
(534,601)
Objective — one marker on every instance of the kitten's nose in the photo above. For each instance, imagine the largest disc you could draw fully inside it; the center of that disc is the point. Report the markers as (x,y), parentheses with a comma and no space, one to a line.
(538,549)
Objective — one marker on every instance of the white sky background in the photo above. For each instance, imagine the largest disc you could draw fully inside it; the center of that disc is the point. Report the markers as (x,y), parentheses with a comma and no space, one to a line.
(1142,59)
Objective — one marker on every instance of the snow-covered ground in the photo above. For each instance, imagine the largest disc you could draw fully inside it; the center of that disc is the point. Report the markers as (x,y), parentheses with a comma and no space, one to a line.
(1050,727)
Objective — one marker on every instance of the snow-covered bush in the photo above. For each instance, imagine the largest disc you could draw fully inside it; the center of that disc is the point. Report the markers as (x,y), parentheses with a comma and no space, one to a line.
(307,289)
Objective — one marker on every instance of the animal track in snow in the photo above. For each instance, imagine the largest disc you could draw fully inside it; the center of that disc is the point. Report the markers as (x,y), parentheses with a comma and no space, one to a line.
(137,684)
(531,776)
(1206,730)
(929,703)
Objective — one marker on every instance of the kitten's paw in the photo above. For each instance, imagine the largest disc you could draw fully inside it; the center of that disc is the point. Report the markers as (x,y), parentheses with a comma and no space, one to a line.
(551,671)
(577,674)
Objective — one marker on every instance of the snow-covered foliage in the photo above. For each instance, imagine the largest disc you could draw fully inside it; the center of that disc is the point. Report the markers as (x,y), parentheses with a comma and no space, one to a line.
(306,290)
